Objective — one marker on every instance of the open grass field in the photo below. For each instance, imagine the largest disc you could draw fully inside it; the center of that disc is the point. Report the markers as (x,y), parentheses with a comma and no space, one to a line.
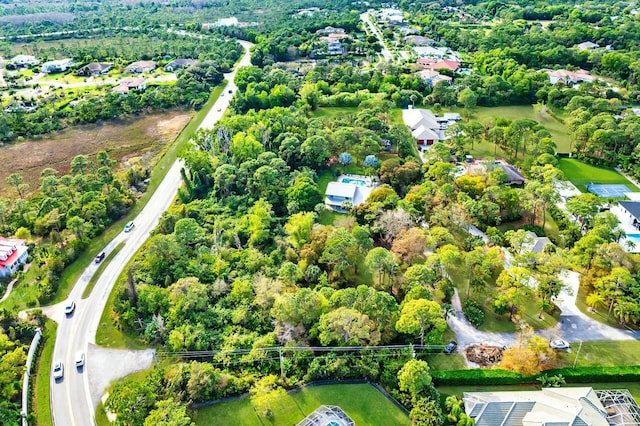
(581,174)
(558,130)
(143,136)
(603,353)
(362,402)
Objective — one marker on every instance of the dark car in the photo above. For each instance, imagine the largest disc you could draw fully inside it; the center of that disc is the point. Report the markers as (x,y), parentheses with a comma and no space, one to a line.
(450,347)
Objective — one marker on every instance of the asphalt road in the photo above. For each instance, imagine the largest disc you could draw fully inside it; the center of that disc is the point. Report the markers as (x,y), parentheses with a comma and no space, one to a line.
(71,400)
(366,17)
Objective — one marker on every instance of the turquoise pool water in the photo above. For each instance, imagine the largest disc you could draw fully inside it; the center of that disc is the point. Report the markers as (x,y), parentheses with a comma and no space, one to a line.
(358,182)
(636,240)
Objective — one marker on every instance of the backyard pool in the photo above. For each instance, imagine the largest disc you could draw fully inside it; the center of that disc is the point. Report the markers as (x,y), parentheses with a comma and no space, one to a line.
(634,238)
(358,182)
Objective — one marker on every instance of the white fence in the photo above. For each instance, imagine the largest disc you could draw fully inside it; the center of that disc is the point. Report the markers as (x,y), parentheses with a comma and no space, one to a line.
(25,382)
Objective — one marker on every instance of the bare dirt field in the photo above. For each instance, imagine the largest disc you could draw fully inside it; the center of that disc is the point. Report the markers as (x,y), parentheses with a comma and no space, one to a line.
(141,136)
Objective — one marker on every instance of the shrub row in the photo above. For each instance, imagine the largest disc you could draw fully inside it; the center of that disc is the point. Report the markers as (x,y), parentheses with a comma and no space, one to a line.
(505,377)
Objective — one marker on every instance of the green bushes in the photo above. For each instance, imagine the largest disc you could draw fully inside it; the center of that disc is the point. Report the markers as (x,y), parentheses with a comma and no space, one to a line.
(473,312)
(504,377)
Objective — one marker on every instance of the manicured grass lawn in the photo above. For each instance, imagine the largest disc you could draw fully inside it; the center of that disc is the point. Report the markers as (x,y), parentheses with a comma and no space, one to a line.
(444,361)
(580,174)
(42,378)
(603,353)
(96,276)
(558,130)
(501,323)
(362,402)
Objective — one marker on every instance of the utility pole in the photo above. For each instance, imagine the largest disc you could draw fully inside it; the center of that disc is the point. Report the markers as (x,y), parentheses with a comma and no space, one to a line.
(281,362)
(575,361)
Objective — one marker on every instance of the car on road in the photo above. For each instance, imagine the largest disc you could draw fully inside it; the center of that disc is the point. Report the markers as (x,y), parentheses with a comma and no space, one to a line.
(219,109)
(230,91)
(100,257)
(450,347)
(129,227)
(80,359)
(70,308)
(558,344)
(58,370)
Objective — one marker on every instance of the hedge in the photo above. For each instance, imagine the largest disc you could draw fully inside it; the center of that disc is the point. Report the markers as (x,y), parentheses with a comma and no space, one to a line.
(505,377)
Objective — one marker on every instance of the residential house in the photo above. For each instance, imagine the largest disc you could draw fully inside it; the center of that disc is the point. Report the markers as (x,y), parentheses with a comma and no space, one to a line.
(335,48)
(552,406)
(425,126)
(418,40)
(333,37)
(535,244)
(569,77)
(431,77)
(352,189)
(13,253)
(431,52)
(514,177)
(60,65)
(631,209)
(331,30)
(95,68)
(24,61)
(587,45)
(141,66)
(177,64)
(127,84)
(222,22)
(432,64)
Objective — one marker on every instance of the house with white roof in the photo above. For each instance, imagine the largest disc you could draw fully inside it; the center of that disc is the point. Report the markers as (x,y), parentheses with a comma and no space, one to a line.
(60,65)
(426,127)
(549,406)
(431,77)
(24,61)
(352,189)
(587,45)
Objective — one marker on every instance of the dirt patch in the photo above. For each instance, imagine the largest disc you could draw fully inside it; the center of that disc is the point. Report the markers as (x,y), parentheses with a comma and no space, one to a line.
(483,355)
(143,136)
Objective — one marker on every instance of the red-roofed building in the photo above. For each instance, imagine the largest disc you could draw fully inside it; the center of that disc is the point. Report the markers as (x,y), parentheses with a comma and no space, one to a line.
(13,253)
(439,65)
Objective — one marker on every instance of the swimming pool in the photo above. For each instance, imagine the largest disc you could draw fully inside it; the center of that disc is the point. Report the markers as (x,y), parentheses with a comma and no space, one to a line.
(358,182)
(634,238)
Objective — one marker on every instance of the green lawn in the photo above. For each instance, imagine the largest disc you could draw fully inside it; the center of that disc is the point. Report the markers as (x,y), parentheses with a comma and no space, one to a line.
(580,174)
(603,353)
(362,402)
(333,112)
(558,130)
(42,378)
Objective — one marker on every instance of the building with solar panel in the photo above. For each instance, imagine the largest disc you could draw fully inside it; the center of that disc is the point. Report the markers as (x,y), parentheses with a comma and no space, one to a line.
(581,406)
(327,415)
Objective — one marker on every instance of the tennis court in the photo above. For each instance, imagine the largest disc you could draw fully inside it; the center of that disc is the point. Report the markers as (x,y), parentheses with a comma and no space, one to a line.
(608,190)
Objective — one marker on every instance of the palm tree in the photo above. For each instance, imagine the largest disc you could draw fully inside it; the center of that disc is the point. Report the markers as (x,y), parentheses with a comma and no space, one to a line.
(596,300)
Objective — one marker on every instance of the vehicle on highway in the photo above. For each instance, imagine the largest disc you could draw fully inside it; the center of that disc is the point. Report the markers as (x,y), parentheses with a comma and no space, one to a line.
(100,257)
(219,109)
(129,226)
(558,344)
(230,91)
(58,370)
(70,308)
(450,347)
(80,359)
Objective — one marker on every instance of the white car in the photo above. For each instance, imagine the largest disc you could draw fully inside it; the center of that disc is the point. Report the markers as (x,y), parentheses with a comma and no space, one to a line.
(129,226)
(58,370)
(68,310)
(558,344)
(80,359)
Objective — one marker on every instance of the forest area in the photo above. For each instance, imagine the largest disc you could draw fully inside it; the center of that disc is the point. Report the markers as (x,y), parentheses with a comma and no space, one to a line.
(249,268)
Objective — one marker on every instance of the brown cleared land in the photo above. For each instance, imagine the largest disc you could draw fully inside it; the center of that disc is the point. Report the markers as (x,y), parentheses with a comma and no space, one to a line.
(144,136)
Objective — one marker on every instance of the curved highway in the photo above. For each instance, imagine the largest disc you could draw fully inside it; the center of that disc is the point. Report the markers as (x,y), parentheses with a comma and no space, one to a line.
(71,401)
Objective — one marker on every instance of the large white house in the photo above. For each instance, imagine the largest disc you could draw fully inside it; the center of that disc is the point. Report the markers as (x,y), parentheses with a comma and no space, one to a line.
(426,127)
(349,190)
(549,406)
(13,253)
(60,65)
